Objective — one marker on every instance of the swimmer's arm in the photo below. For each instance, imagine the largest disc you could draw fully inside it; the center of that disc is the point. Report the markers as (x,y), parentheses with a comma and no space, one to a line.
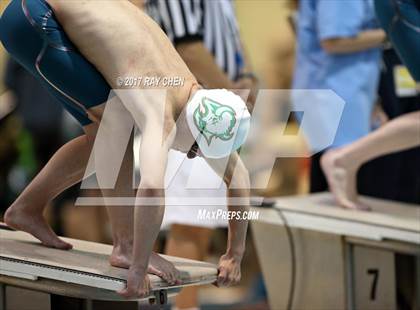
(148,218)
(363,41)
(237,181)
(236,177)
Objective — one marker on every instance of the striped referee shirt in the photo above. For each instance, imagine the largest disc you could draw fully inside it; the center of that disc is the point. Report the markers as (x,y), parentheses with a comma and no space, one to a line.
(210,21)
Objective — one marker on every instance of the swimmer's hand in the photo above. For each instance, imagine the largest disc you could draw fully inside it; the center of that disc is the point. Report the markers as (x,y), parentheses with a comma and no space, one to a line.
(229,271)
(138,284)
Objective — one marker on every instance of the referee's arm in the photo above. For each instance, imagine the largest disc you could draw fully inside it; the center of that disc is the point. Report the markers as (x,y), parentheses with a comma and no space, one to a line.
(184,21)
(203,65)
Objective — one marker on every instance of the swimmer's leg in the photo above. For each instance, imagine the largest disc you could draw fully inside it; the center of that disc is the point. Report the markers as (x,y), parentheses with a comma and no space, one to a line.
(341,165)
(63,170)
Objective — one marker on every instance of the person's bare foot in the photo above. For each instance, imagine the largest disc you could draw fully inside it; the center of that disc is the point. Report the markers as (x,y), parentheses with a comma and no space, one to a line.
(121,257)
(341,180)
(35,224)
(165,269)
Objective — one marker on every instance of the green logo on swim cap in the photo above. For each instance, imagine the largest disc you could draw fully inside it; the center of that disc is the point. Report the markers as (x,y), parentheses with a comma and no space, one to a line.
(214,120)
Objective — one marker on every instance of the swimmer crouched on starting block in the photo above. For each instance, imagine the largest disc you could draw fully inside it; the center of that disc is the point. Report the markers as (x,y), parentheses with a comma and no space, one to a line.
(78,50)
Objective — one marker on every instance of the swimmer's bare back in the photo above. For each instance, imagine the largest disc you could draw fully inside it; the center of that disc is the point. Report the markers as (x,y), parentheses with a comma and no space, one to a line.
(121,41)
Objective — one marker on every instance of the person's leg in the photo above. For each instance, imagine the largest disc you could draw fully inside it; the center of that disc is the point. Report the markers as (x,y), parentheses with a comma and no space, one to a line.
(400,19)
(31,35)
(341,165)
(122,217)
(64,169)
(189,242)
(43,48)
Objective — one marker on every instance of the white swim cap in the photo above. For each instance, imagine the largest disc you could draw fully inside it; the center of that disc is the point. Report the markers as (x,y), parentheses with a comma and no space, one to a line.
(219,121)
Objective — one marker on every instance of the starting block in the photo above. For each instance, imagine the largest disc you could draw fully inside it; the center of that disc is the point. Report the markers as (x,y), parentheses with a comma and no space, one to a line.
(81,278)
(344,259)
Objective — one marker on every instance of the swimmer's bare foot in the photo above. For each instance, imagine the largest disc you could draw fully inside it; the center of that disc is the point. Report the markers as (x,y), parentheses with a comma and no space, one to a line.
(34,223)
(341,180)
(121,257)
(165,269)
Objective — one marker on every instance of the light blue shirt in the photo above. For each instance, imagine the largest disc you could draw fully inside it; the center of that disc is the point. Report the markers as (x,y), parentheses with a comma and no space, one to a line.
(354,76)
